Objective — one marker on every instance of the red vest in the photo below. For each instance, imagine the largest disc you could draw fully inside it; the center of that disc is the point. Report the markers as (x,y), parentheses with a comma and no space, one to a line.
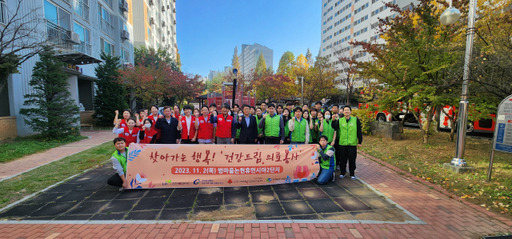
(205,128)
(224,126)
(123,124)
(153,120)
(148,136)
(184,132)
(130,138)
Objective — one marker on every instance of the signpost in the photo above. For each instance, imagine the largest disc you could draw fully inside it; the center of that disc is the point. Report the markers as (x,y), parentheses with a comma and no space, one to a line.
(503,133)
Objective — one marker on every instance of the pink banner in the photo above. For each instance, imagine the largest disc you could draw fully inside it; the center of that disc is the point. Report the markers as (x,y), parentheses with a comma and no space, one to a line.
(188,166)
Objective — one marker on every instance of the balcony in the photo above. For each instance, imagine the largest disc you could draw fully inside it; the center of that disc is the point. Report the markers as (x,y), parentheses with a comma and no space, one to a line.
(107,27)
(76,53)
(123,5)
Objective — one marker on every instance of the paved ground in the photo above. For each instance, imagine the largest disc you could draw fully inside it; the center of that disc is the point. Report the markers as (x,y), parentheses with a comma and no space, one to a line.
(442,215)
(12,168)
(88,198)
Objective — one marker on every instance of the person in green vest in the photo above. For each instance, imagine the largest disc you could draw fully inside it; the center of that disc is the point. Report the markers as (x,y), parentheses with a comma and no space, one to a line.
(259,117)
(327,129)
(350,138)
(327,161)
(313,129)
(306,116)
(119,163)
(272,125)
(299,128)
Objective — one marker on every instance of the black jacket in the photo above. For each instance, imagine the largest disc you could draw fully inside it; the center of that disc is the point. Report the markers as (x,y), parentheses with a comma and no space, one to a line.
(169,132)
(247,134)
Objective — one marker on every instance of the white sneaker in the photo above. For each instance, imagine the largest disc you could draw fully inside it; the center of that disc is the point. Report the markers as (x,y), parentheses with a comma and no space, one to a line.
(353,177)
(342,176)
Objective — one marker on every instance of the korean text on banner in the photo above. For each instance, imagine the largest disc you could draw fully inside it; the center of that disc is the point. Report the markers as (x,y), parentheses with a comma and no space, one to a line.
(187,166)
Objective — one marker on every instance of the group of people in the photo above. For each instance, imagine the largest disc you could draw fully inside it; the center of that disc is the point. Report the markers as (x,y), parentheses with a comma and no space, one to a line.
(337,132)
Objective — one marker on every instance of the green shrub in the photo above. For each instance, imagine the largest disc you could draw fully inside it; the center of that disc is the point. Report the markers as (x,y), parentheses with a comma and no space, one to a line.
(366,117)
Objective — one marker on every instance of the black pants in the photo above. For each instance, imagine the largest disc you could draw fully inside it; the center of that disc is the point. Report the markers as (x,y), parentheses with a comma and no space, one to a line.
(115,181)
(188,141)
(272,140)
(347,153)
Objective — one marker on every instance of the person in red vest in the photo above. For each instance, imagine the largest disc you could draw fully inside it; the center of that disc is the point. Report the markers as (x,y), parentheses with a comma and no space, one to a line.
(141,116)
(123,122)
(176,111)
(154,117)
(188,124)
(129,133)
(147,135)
(204,127)
(226,128)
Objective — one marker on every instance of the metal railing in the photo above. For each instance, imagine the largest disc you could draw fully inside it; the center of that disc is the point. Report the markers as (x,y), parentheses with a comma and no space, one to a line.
(83,48)
(57,35)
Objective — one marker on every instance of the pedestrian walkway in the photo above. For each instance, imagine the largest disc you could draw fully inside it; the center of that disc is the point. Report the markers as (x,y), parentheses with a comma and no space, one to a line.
(443,215)
(27,163)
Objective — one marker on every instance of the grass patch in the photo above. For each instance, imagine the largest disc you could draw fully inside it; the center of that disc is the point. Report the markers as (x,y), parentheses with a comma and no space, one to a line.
(426,161)
(33,181)
(22,146)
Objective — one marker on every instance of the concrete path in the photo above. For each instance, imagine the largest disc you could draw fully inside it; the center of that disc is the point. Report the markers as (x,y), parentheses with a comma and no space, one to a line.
(27,163)
(444,216)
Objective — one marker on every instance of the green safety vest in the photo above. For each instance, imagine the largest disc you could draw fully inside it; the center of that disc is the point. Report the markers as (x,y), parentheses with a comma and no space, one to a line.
(313,134)
(299,133)
(121,158)
(326,164)
(348,131)
(286,129)
(272,125)
(328,130)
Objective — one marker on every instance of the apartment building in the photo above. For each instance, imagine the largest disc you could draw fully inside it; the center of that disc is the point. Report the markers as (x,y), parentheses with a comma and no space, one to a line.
(155,25)
(250,54)
(79,30)
(344,21)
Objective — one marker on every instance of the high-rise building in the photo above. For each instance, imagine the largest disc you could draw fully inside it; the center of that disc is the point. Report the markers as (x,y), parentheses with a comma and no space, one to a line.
(344,21)
(79,31)
(250,54)
(155,25)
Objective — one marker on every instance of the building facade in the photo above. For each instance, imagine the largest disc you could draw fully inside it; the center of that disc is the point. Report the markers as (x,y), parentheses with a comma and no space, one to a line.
(155,25)
(344,21)
(250,54)
(78,30)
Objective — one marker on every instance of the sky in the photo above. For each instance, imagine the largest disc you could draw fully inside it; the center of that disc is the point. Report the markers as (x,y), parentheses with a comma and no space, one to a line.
(208,30)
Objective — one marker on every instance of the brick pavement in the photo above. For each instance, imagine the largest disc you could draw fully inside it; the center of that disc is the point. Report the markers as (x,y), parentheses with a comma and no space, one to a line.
(13,168)
(444,217)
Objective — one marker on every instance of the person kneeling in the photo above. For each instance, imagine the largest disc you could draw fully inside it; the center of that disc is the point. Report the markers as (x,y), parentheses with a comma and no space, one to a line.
(119,163)
(327,161)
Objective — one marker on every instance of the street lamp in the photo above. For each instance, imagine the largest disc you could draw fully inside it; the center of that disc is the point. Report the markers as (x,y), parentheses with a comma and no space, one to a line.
(302,87)
(450,16)
(235,72)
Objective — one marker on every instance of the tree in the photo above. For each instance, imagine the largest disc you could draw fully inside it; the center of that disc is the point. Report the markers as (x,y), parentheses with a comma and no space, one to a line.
(319,81)
(235,63)
(275,87)
(215,85)
(49,109)
(309,58)
(110,95)
(20,39)
(145,83)
(286,64)
(148,57)
(418,61)
(261,65)
(349,75)
(184,87)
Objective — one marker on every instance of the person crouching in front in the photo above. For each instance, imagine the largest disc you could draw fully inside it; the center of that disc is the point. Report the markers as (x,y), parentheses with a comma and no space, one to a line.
(119,164)
(327,161)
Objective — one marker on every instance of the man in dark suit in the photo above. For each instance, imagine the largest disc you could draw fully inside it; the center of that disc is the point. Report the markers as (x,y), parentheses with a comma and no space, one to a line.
(169,127)
(248,127)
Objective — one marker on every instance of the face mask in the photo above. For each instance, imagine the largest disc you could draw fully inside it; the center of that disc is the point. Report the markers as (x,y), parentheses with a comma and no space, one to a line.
(148,125)
(327,116)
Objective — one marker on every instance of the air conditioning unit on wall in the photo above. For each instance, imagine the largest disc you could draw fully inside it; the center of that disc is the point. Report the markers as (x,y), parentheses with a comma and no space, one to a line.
(75,37)
(125,35)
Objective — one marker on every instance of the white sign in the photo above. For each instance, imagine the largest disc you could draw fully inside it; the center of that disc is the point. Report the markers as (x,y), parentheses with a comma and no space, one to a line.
(503,132)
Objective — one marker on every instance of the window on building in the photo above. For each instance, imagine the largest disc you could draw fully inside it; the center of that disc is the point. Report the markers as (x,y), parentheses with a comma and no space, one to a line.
(56,15)
(3,12)
(81,8)
(125,55)
(106,47)
(83,32)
